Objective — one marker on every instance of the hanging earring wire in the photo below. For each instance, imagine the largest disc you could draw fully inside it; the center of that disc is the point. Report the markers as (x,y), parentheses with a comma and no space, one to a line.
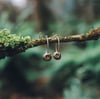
(47,44)
(57,54)
(47,56)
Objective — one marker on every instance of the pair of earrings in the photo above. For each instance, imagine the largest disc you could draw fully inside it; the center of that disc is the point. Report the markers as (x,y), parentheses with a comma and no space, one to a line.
(56,55)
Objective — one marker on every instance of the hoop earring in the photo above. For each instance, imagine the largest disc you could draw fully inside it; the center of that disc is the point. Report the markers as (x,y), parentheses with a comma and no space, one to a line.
(47,56)
(57,54)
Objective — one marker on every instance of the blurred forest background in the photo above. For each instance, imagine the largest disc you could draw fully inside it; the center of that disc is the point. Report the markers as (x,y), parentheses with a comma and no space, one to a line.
(76,75)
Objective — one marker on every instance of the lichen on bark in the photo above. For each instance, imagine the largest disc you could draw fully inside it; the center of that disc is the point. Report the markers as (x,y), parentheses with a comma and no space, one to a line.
(12,44)
(12,40)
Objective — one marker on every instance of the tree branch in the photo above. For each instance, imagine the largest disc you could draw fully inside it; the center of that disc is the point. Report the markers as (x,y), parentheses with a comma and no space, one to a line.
(16,44)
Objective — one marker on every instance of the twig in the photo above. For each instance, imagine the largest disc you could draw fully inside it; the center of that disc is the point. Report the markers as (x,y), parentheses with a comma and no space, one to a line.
(9,51)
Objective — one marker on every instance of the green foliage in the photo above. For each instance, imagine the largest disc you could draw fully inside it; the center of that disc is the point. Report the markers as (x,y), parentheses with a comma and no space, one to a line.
(75,60)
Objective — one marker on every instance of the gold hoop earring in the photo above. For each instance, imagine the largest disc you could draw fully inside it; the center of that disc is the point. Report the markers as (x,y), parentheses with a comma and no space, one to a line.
(47,56)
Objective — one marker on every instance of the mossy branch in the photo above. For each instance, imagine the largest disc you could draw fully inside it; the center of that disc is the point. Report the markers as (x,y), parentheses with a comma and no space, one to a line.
(11,44)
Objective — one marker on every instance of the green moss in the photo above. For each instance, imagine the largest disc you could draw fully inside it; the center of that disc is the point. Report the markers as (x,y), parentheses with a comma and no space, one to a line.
(12,40)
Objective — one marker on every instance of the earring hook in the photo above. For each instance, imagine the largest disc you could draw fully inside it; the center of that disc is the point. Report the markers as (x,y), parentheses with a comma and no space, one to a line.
(47,56)
(57,47)
(47,43)
(58,43)
(57,54)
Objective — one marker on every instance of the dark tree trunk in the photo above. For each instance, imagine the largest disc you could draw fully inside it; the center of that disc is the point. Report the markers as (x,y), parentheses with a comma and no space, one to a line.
(43,16)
